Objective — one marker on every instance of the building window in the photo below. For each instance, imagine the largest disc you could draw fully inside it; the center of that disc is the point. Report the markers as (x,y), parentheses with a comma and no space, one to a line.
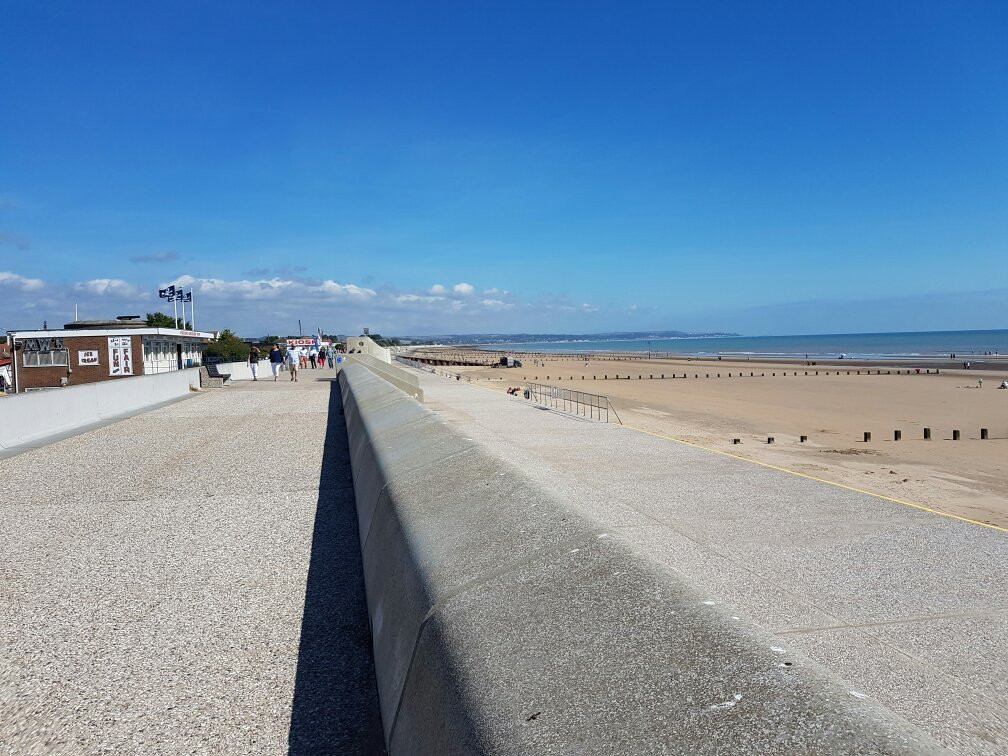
(59,358)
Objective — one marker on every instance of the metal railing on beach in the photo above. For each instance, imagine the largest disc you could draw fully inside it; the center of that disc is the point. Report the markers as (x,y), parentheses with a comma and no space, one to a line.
(581,403)
(415,364)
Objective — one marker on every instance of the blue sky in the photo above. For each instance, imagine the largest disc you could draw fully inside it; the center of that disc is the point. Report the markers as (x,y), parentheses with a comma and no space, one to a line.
(765,168)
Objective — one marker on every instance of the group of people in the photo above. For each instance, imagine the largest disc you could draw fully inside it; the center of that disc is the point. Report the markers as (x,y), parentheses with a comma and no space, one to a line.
(294,359)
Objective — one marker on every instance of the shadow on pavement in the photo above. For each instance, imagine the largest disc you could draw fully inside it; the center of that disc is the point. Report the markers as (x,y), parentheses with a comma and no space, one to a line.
(335,706)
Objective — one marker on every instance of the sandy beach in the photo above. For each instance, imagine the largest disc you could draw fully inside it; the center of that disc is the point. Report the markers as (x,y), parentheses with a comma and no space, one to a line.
(786,400)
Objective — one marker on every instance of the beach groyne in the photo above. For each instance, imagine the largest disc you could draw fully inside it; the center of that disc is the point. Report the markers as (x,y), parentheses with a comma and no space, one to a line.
(36,416)
(504,621)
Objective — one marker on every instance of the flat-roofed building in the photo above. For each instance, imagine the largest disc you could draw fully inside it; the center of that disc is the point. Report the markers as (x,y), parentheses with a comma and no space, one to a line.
(100,350)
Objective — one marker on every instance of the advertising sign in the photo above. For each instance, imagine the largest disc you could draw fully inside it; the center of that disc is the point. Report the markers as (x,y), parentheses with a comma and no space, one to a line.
(43,346)
(305,342)
(87,357)
(120,355)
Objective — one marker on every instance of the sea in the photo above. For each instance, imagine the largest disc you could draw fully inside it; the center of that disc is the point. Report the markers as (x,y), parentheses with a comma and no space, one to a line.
(919,344)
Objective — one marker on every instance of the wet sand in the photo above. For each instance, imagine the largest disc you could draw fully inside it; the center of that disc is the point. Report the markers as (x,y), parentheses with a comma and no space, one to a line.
(966,478)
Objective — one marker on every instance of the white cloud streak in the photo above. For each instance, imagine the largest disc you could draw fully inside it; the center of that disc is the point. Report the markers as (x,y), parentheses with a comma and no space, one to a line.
(14,281)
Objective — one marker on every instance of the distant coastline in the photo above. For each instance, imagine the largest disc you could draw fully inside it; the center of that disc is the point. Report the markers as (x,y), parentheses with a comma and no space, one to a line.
(916,344)
(489,339)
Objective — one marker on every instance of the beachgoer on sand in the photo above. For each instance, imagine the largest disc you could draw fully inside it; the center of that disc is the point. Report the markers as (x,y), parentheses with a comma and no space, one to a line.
(253,361)
(276,359)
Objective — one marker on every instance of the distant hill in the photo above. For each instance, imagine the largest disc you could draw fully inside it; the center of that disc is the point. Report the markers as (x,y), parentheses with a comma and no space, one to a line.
(507,338)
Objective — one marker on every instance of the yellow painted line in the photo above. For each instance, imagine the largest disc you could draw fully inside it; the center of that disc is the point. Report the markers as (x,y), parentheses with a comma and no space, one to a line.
(820,480)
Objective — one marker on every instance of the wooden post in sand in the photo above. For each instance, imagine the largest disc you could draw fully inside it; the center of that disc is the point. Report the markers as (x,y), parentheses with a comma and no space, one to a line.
(867,436)
(955,435)
(897,435)
(802,439)
(927,434)
(769,439)
(983,434)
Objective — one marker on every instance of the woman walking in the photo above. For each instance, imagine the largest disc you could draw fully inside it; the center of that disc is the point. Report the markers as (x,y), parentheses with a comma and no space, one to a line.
(276,359)
(253,361)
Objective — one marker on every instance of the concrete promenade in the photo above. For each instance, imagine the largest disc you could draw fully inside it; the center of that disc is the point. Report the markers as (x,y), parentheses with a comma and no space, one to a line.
(188,581)
(908,608)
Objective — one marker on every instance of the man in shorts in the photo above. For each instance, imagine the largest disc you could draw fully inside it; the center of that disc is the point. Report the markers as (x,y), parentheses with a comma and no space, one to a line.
(294,358)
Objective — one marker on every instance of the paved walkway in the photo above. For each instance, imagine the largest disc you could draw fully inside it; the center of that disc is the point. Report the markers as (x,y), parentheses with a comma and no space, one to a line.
(908,607)
(188,581)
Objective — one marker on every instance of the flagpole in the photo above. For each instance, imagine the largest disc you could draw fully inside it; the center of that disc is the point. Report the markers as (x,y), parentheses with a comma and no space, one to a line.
(174,302)
(192,308)
(183,310)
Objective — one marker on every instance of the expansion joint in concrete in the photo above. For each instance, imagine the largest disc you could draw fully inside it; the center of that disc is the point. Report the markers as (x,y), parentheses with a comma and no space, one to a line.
(476,582)
(408,471)
(896,622)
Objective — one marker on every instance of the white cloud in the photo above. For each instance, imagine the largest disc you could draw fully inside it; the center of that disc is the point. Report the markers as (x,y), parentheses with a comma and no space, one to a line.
(107,287)
(409,298)
(345,290)
(269,288)
(20,282)
(272,288)
(496,304)
(588,308)
(438,289)
(463,288)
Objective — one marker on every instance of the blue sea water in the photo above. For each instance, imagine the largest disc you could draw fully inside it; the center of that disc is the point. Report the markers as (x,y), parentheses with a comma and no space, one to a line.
(823,346)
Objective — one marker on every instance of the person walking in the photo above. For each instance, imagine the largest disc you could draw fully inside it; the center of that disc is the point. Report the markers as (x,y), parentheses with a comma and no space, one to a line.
(321,357)
(329,357)
(276,359)
(253,361)
(294,358)
(313,357)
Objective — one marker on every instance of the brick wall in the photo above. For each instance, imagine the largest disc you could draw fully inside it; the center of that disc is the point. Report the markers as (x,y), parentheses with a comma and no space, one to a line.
(45,377)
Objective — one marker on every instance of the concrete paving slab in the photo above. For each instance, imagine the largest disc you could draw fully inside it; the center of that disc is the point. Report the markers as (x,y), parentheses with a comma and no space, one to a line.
(964,717)
(737,586)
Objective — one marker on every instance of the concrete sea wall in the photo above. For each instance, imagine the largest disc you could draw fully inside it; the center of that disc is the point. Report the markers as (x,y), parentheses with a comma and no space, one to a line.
(34,416)
(505,622)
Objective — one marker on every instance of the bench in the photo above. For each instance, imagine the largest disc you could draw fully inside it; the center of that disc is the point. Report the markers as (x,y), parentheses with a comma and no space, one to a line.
(211,377)
(215,373)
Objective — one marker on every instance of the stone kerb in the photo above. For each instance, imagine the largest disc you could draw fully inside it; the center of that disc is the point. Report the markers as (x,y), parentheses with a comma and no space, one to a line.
(502,621)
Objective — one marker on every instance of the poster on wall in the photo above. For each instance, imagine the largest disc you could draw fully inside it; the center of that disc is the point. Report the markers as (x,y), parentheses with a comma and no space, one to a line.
(120,355)
(87,357)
